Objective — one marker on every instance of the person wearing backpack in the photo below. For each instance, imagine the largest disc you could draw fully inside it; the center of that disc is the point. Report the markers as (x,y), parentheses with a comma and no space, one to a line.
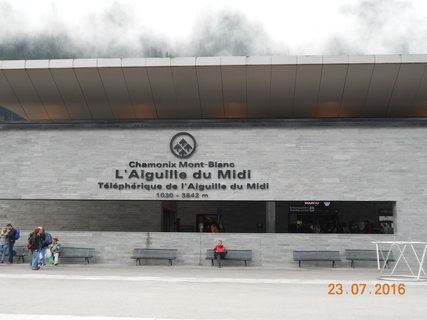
(11,238)
(46,242)
(36,245)
(42,251)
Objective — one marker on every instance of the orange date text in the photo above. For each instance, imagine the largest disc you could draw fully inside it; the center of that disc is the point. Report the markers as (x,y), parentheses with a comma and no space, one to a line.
(354,289)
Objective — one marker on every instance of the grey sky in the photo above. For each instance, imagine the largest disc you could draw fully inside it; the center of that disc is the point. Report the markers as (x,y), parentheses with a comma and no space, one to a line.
(125,28)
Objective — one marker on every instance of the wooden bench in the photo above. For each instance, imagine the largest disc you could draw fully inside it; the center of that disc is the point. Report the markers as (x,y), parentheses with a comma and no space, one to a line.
(368,255)
(317,256)
(240,255)
(70,252)
(165,254)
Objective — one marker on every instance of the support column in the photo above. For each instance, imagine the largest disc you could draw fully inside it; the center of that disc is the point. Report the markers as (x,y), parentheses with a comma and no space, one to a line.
(270,217)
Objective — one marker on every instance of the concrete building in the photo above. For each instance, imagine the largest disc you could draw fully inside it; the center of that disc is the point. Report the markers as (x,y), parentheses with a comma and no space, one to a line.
(284,153)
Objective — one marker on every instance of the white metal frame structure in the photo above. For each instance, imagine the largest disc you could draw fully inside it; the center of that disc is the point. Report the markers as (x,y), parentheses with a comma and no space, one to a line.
(401,246)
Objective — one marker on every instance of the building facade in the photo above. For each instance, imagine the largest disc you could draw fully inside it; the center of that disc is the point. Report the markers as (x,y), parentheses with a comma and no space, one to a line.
(280,153)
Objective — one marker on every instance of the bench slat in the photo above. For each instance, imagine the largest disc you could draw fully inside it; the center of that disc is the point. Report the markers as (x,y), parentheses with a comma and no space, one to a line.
(70,252)
(239,255)
(166,254)
(358,254)
(367,255)
(20,252)
(316,256)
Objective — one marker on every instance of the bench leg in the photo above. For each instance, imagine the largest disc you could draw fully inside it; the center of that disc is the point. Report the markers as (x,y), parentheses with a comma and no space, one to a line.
(299,263)
(212,262)
(333,264)
(170,261)
(246,264)
(352,264)
(87,260)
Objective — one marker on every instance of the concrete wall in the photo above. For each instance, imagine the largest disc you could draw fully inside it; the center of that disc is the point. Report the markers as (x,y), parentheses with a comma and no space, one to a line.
(268,249)
(141,216)
(82,215)
(310,163)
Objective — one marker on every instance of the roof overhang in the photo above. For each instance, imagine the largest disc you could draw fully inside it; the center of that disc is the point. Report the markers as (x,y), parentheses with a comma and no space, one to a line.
(282,87)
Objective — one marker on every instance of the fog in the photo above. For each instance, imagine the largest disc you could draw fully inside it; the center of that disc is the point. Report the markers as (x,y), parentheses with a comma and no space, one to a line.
(116,30)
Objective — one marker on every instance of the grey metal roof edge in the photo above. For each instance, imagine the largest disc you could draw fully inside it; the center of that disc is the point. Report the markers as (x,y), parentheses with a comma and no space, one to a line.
(216,61)
(216,123)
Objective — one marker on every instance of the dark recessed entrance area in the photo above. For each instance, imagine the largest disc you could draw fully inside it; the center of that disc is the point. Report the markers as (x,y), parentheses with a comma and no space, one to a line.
(211,216)
(335,216)
(202,216)
(280,216)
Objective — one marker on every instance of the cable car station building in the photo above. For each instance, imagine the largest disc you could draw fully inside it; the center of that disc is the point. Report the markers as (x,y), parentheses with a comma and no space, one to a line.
(276,153)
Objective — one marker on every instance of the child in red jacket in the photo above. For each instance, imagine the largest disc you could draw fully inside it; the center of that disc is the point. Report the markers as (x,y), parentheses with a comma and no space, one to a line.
(219,252)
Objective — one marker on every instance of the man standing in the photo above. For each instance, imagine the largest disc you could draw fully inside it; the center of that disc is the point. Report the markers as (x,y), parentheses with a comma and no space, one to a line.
(36,246)
(10,240)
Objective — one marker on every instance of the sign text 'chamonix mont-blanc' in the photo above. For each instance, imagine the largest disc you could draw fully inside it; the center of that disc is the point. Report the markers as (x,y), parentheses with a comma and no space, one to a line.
(182,179)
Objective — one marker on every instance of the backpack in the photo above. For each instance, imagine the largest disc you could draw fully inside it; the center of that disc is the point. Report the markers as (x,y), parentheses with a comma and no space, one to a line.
(48,239)
(29,245)
(17,234)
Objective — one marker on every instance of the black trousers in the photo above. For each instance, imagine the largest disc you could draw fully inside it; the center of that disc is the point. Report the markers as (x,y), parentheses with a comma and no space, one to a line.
(11,244)
(218,255)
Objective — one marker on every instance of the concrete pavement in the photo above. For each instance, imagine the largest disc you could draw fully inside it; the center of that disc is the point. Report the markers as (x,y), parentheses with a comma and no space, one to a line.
(99,292)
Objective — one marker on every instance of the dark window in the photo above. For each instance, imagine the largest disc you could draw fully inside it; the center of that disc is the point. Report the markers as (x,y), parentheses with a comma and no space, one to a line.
(335,217)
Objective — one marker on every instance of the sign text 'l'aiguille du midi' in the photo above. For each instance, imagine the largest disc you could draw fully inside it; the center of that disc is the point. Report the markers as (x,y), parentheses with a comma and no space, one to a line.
(182,179)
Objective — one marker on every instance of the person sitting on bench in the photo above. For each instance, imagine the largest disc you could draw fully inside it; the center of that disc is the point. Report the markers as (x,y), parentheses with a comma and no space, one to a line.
(219,252)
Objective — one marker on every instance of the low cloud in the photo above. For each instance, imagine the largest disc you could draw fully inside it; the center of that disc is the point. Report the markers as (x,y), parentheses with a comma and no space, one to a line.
(386,26)
(373,27)
(229,33)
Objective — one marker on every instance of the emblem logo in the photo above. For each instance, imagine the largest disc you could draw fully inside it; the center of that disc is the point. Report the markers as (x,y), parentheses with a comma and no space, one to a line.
(183,145)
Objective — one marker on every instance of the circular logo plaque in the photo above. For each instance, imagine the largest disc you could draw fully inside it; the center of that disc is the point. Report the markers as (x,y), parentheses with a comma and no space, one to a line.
(183,145)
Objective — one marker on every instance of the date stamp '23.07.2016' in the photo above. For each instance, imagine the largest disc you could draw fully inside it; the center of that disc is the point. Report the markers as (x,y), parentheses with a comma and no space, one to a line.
(366,289)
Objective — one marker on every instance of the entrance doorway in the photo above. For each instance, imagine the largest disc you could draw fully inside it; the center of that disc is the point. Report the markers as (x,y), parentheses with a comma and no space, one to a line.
(214,216)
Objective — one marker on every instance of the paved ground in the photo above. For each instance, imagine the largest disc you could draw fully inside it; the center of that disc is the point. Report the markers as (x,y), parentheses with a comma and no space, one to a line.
(101,292)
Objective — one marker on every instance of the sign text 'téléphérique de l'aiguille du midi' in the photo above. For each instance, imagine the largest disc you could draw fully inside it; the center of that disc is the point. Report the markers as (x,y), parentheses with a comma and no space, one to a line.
(182,179)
